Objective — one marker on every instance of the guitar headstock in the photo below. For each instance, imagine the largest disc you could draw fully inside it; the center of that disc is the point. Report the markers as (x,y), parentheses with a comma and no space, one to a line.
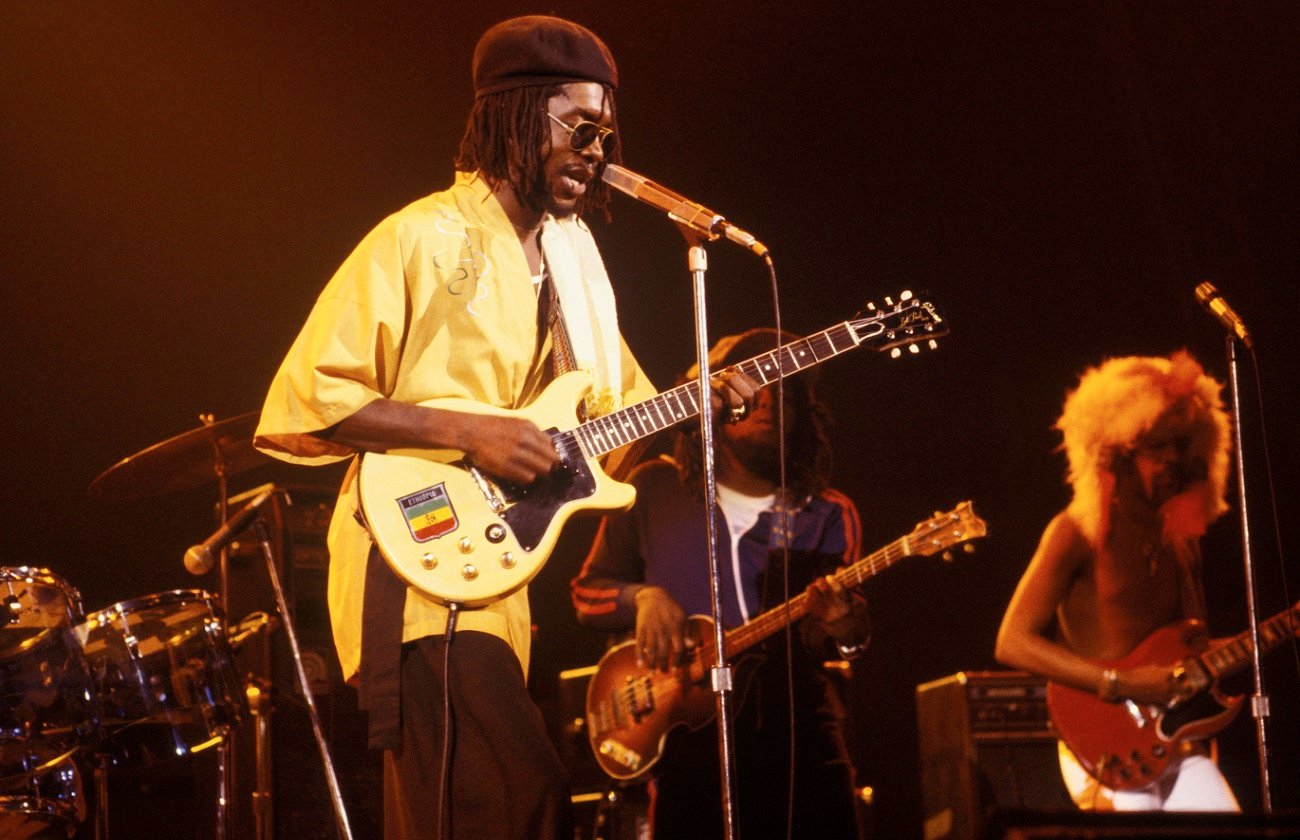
(945,530)
(908,322)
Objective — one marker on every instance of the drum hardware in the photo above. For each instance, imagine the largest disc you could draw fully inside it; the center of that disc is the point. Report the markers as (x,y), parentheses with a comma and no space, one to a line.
(250,626)
(42,799)
(48,706)
(215,450)
(258,692)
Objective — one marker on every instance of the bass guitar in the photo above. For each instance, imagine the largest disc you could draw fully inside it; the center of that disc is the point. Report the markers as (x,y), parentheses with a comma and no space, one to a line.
(461,537)
(1128,745)
(631,709)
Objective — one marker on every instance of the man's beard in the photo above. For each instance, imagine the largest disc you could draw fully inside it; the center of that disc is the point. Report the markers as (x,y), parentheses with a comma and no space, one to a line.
(759,456)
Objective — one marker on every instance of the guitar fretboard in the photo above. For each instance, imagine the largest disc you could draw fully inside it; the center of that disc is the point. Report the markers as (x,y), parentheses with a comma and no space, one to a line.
(760,627)
(1233,653)
(619,428)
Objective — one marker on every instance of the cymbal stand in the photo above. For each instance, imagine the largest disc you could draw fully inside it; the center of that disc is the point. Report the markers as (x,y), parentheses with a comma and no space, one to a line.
(101,797)
(336,795)
(259,704)
(226,782)
(257,691)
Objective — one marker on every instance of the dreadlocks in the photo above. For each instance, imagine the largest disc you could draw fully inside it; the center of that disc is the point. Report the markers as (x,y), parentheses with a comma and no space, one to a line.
(808,449)
(507,136)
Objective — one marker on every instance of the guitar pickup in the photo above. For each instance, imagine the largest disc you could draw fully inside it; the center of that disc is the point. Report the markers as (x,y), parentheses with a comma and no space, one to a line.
(620,753)
(639,697)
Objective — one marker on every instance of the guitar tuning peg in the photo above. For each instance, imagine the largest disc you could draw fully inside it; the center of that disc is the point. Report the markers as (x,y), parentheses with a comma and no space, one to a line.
(895,353)
(969,548)
(913,349)
(947,556)
(905,295)
(889,301)
(934,344)
(871,306)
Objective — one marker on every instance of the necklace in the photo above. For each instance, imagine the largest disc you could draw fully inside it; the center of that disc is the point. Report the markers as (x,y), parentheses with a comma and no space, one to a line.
(1149,547)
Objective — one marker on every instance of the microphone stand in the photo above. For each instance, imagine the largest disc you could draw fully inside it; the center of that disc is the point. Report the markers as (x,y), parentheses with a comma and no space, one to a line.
(1259,700)
(336,794)
(720,675)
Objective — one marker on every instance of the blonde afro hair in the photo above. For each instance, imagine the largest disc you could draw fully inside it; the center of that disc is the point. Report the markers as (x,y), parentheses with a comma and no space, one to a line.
(1117,403)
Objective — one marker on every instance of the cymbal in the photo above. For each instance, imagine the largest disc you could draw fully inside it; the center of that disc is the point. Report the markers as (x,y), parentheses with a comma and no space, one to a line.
(187,460)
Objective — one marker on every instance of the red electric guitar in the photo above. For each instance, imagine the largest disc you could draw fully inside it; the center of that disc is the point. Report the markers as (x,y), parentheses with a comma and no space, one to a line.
(1128,745)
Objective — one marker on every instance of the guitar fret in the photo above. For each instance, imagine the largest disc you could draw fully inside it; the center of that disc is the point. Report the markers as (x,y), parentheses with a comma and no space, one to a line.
(846,334)
(617,432)
(605,434)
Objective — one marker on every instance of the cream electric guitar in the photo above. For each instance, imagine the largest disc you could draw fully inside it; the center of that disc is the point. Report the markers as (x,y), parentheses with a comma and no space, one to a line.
(464,538)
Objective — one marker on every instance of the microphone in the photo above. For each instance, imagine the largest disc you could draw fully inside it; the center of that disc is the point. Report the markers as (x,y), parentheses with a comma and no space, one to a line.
(679,209)
(1209,297)
(200,558)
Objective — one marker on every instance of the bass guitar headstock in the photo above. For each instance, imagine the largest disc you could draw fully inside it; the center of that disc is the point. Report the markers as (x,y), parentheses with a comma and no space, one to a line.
(944,530)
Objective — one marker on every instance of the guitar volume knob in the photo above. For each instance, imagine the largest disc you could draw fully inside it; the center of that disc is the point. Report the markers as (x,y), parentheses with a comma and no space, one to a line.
(507,560)
(469,571)
(428,561)
(466,545)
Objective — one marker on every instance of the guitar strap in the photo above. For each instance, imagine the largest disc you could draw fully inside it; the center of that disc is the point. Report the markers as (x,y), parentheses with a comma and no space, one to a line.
(380,684)
(561,348)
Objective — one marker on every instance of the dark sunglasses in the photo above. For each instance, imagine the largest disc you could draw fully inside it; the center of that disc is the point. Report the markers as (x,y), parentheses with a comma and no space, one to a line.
(585,133)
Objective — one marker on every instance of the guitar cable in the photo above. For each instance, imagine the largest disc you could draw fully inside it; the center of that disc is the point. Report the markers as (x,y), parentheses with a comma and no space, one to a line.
(1272,498)
(444,776)
(784,513)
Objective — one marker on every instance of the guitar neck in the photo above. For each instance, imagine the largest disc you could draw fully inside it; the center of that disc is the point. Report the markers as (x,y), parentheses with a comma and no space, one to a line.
(760,627)
(1232,654)
(619,428)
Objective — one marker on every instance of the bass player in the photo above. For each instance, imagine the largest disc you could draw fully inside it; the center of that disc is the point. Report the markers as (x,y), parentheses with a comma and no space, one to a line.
(1147,440)
(649,571)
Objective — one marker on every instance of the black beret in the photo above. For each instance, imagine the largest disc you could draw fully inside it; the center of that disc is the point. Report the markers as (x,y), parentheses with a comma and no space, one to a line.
(540,50)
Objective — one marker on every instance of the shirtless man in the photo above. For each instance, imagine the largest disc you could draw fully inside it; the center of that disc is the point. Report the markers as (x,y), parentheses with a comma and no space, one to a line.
(1148,442)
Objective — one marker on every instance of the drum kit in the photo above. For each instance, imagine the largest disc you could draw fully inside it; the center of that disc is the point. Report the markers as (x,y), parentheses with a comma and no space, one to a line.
(134,684)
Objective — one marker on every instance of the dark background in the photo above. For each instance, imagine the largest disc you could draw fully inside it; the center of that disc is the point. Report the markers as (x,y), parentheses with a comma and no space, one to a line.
(178,181)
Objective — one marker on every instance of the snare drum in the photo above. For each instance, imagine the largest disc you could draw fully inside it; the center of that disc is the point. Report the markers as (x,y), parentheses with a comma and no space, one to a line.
(165,675)
(47,699)
(42,802)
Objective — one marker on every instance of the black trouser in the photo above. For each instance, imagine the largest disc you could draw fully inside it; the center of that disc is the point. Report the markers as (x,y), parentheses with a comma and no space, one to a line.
(687,803)
(506,779)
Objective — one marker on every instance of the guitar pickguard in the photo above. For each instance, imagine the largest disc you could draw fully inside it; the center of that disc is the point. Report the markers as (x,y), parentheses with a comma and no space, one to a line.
(534,505)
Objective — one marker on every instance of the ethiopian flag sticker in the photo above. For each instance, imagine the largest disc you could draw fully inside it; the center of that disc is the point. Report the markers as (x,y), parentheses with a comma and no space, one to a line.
(429,513)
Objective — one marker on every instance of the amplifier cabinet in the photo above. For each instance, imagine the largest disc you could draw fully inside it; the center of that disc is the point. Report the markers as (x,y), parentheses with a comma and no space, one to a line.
(986,744)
